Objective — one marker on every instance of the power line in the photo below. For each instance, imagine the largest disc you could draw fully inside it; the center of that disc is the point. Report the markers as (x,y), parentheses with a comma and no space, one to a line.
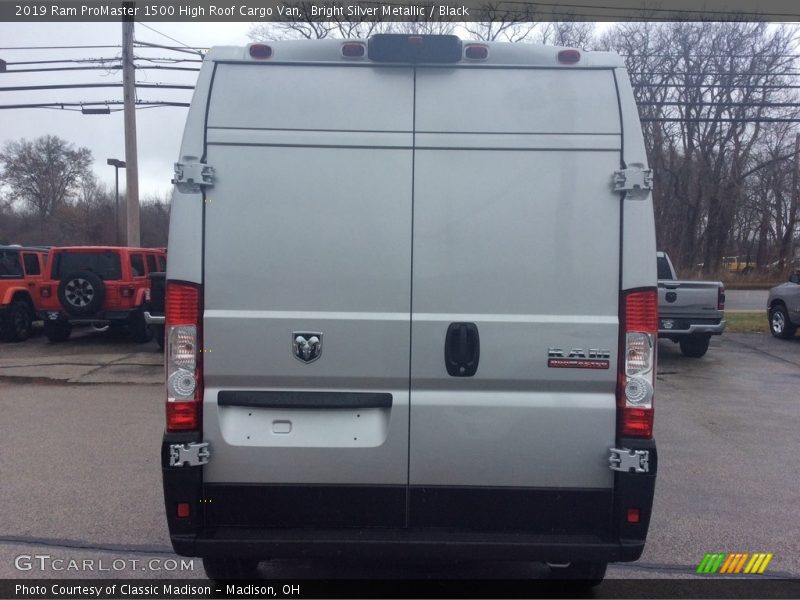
(163,34)
(62,60)
(669,11)
(719,120)
(140,103)
(173,48)
(49,69)
(65,86)
(54,47)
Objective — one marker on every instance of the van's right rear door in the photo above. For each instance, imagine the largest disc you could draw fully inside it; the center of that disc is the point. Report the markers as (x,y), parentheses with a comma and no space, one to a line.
(516,237)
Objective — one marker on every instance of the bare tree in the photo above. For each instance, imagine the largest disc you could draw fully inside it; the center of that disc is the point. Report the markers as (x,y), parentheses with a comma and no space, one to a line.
(44,173)
(718,80)
(575,34)
(497,21)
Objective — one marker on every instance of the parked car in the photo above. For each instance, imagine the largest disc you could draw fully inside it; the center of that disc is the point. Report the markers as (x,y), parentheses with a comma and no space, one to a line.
(303,418)
(689,312)
(783,308)
(99,285)
(21,270)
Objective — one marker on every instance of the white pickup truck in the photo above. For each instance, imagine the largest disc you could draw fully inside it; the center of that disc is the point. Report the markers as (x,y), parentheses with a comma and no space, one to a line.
(689,312)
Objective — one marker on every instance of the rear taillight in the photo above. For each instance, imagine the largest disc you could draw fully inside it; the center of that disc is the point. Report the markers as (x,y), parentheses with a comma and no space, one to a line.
(637,362)
(45,291)
(721,298)
(126,292)
(184,368)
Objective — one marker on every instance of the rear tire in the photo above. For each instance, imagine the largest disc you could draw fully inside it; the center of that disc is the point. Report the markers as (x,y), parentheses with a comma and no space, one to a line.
(583,574)
(17,322)
(57,331)
(141,332)
(220,569)
(779,324)
(695,346)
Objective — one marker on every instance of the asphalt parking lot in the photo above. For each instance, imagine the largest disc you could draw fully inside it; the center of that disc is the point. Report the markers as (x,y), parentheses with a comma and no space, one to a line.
(82,423)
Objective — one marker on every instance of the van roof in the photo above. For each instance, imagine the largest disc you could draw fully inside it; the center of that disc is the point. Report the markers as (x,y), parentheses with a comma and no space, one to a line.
(329,51)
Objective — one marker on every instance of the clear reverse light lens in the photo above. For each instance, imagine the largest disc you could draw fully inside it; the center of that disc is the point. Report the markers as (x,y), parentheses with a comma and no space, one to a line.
(639,353)
(183,346)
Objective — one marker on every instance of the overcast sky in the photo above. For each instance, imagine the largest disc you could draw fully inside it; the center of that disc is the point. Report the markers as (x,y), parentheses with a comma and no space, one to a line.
(159,129)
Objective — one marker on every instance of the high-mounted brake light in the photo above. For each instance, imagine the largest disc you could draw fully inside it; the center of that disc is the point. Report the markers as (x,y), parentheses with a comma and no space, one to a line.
(569,57)
(260,51)
(184,365)
(353,49)
(637,362)
(404,48)
(476,52)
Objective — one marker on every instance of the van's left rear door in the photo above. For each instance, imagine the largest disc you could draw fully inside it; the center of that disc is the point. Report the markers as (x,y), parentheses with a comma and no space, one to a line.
(307,235)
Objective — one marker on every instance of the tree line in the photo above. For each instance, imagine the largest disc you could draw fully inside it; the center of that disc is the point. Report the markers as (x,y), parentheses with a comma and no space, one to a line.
(50,196)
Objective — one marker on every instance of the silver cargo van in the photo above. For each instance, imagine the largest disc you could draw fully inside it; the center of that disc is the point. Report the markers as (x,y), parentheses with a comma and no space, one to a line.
(411,307)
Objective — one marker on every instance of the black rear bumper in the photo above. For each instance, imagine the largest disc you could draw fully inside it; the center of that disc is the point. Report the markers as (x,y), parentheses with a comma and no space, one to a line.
(405,543)
(459,523)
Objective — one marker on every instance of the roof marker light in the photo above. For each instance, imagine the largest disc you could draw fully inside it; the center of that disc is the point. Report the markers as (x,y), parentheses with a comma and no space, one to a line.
(476,52)
(260,51)
(569,57)
(353,49)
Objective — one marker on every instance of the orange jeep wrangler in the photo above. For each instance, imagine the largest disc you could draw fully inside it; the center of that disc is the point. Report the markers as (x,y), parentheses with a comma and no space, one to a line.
(100,285)
(21,270)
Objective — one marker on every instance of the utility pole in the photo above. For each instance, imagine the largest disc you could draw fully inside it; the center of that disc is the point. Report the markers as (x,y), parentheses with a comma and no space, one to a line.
(131,159)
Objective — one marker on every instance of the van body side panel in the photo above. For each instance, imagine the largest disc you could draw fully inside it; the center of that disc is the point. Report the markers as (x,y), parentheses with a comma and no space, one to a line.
(520,238)
(309,234)
(638,242)
(186,209)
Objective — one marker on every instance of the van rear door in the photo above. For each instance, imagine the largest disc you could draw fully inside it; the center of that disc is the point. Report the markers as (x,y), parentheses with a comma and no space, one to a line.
(307,294)
(516,255)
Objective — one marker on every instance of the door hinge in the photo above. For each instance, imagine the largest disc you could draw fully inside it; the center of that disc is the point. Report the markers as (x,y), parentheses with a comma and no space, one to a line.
(189,455)
(633,179)
(192,177)
(629,461)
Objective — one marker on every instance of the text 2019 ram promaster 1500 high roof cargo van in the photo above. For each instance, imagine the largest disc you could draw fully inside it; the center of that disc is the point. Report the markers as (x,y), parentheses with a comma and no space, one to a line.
(411,307)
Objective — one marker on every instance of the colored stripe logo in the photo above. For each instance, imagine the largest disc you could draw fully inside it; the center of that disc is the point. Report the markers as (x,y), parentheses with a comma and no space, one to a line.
(731,564)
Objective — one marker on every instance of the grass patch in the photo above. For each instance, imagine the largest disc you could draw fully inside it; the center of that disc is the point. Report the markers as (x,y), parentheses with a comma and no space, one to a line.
(746,322)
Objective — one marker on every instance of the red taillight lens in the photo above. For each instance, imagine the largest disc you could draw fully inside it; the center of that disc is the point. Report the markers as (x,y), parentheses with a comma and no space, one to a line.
(260,51)
(353,49)
(721,298)
(569,57)
(182,303)
(476,52)
(183,416)
(126,292)
(641,311)
(183,357)
(637,363)
(633,515)
(183,510)
(45,291)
